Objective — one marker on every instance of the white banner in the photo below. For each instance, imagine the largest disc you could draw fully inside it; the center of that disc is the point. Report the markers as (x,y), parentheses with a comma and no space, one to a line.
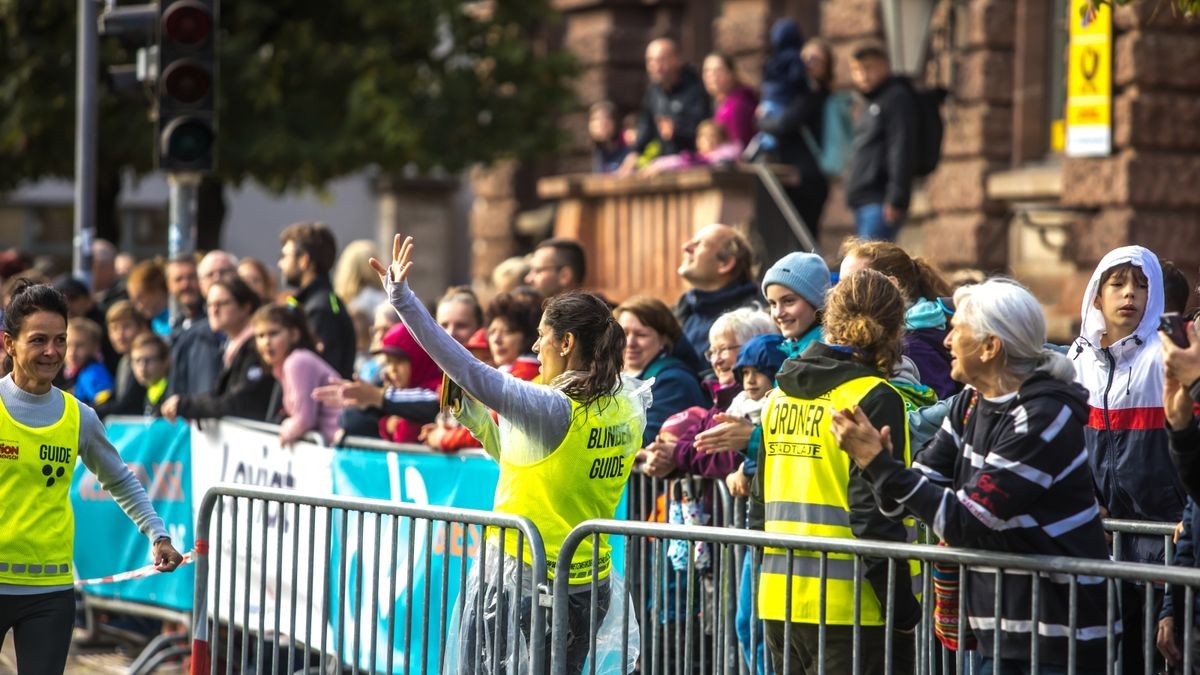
(248,577)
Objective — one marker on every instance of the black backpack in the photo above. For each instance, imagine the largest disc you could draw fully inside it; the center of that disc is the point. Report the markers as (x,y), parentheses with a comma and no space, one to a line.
(930,127)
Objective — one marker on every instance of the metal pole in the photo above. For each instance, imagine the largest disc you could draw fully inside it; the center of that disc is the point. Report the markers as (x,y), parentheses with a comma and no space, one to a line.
(181,235)
(86,67)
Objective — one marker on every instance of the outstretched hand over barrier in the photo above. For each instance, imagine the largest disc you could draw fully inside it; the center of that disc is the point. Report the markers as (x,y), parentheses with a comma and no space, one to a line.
(347,393)
(730,434)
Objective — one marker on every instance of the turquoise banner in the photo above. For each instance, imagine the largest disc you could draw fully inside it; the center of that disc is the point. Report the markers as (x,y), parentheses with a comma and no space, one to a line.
(107,542)
(398,603)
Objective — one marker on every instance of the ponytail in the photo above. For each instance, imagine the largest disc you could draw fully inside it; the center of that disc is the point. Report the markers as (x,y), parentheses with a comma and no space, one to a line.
(917,277)
(1055,365)
(930,283)
(598,339)
(865,311)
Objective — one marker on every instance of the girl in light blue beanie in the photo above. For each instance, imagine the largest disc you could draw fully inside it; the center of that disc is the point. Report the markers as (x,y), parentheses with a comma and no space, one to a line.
(795,289)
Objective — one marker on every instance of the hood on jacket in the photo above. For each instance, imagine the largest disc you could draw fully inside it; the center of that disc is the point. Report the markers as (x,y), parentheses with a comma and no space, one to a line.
(1092,320)
(786,34)
(818,370)
(425,373)
(764,353)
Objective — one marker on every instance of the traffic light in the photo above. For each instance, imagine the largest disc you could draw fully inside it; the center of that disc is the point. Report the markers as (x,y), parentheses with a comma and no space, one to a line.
(133,26)
(187,85)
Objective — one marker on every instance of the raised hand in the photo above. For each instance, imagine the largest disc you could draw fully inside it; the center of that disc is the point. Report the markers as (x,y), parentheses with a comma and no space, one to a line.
(401,261)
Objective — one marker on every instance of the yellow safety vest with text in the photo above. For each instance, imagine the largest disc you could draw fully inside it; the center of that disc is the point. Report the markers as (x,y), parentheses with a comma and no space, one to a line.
(37,525)
(581,480)
(805,485)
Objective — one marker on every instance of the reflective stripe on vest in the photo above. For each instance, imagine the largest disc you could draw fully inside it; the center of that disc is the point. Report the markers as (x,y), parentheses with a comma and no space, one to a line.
(806,478)
(36,466)
(582,479)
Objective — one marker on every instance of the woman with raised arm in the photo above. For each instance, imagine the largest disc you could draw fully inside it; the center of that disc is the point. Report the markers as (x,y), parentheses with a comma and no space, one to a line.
(565,448)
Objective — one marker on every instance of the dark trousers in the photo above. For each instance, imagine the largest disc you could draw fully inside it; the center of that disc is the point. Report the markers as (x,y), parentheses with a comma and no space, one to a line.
(41,626)
(804,654)
(1133,619)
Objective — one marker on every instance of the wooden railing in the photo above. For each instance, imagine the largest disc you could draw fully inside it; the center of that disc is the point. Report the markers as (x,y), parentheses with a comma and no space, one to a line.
(633,228)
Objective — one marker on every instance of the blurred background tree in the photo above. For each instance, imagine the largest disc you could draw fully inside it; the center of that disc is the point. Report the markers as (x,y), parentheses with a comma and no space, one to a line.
(309,91)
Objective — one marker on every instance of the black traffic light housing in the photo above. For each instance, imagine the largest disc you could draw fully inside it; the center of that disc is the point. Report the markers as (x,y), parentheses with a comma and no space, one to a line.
(135,26)
(186,94)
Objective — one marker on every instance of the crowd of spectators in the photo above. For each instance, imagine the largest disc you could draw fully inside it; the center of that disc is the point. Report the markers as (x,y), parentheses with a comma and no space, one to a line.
(946,405)
(689,119)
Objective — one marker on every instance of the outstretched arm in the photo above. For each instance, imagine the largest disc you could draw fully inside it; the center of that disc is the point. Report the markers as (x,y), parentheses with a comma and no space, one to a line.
(540,411)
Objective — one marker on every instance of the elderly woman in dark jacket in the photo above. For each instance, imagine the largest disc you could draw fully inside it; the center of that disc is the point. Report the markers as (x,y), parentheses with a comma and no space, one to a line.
(244,386)
(1032,493)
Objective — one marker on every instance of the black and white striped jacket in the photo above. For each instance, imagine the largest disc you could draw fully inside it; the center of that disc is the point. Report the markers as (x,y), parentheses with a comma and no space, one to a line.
(1012,475)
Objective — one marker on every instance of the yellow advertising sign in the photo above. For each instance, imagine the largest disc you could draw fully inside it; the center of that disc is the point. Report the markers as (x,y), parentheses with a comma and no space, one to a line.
(1089,80)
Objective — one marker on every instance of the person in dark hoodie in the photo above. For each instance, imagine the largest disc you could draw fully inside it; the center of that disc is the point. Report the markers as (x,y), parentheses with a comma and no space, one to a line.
(822,493)
(879,186)
(673,106)
(784,78)
(305,258)
(1006,472)
(925,321)
(718,263)
(1118,359)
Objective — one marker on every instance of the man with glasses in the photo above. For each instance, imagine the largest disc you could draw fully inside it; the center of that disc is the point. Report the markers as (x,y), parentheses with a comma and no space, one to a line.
(196,353)
(556,266)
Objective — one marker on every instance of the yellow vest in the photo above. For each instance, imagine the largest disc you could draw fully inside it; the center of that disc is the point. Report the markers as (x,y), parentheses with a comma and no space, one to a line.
(805,479)
(581,480)
(37,525)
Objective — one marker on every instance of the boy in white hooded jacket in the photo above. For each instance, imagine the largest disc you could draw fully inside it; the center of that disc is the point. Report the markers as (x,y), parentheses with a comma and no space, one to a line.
(1118,360)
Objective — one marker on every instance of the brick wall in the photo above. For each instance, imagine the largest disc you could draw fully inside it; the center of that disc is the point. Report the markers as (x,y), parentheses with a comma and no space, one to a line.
(1145,193)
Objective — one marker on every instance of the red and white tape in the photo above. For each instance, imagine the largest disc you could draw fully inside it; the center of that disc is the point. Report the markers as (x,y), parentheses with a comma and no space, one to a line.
(139,573)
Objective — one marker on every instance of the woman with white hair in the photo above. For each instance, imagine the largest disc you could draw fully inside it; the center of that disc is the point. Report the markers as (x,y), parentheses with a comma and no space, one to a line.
(1006,472)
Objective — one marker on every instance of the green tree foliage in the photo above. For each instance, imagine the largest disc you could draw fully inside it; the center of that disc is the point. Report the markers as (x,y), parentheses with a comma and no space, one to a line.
(309,89)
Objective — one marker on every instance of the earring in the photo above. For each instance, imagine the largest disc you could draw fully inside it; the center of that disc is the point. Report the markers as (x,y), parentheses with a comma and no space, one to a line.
(565,352)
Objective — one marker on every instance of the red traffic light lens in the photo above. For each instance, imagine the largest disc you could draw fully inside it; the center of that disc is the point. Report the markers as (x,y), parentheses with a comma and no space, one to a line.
(186,82)
(187,141)
(187,23)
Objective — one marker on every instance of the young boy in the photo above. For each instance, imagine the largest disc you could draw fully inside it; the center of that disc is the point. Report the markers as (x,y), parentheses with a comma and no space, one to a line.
(86,375)
(1118,359)
(758,361)
(151,359)
(757,364)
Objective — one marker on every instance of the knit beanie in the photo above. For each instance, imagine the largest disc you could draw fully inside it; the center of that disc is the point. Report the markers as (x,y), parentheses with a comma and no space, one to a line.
(804,273)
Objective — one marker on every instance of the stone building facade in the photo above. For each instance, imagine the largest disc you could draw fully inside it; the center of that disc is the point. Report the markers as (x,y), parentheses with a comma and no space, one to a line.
(1004,198)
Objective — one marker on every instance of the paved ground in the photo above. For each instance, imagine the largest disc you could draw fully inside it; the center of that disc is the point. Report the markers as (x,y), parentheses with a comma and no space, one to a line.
(97,660)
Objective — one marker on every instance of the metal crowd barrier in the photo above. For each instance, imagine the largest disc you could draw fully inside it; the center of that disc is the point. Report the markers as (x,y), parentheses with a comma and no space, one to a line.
(685,644)
(293,583)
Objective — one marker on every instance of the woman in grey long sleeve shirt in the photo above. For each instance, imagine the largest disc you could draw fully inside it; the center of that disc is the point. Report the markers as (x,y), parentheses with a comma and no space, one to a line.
(43,430)
(565,448)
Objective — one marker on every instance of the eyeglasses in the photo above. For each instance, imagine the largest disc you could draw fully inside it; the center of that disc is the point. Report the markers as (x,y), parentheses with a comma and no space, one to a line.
(720,351)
